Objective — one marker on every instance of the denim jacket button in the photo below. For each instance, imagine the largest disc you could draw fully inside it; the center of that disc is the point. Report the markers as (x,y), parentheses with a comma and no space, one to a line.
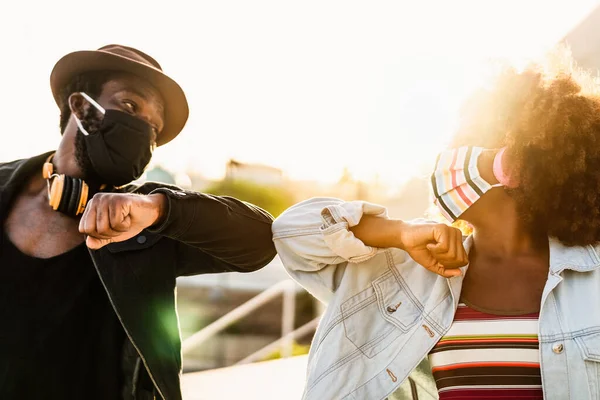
(558,348)
(393,309)
(429,331)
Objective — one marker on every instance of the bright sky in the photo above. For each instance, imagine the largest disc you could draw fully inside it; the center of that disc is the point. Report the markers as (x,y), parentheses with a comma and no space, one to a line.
(306,86)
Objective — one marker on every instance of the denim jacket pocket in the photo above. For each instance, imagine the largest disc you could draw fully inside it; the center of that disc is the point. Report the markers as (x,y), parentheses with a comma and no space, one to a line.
(590,346)
(378,315)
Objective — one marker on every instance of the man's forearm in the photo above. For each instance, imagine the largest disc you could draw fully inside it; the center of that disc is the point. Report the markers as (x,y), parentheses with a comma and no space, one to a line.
(233,231)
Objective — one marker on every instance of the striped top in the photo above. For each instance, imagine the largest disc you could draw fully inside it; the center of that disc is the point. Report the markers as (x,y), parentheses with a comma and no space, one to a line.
(486,356)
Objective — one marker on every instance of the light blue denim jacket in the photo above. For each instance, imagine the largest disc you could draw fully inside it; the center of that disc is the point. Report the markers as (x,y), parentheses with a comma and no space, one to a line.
(385,312)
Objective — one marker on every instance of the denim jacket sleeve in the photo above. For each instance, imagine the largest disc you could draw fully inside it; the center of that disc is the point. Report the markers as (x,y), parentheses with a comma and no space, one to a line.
(315,244)
(216,233)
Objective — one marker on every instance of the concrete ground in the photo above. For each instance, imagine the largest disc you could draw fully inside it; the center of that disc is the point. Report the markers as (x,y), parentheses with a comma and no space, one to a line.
(270,380)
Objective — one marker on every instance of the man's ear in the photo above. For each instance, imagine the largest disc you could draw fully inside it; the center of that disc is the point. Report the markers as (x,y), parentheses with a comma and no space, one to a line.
(78,105)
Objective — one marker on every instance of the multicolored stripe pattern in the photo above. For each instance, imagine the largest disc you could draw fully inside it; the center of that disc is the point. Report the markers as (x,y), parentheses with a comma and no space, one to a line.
(485,356)
(456,181)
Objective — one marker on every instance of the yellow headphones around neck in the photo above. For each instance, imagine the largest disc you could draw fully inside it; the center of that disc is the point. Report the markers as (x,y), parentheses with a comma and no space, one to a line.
(65,194)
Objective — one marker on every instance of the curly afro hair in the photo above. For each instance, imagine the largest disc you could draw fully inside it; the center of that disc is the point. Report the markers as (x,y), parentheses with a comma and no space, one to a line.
(550,122)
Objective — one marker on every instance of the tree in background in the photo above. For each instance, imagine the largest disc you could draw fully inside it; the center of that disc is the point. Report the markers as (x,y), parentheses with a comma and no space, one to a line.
(274,199)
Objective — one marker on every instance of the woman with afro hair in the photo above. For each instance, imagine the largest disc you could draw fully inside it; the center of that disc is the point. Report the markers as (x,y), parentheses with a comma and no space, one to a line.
(419,310)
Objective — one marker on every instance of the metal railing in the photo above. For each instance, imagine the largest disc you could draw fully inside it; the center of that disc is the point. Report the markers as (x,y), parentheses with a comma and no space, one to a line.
(286,288)
(265,351)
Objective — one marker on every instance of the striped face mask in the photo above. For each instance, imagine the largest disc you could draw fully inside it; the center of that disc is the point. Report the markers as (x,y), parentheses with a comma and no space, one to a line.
(456,181)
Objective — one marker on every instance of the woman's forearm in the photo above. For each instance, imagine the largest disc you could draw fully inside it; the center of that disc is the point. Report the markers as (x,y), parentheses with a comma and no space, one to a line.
(379,232)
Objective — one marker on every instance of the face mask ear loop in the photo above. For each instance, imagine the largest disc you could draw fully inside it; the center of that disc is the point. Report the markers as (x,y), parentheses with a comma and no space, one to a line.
(81,128)
(498,169)
(95,104)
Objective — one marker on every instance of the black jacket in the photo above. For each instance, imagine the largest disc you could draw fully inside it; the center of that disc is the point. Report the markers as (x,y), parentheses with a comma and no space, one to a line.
(200,234)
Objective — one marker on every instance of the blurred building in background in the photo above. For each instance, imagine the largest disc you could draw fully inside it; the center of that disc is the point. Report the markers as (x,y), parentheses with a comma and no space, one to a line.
(255,173)
(160,174)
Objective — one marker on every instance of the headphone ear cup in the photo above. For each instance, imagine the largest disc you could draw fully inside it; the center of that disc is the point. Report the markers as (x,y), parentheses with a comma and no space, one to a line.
(83,198)
(56,191)
(74,196)
(66,194)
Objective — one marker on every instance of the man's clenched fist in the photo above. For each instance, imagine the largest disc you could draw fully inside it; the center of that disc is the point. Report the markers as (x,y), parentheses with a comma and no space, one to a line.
(116,217)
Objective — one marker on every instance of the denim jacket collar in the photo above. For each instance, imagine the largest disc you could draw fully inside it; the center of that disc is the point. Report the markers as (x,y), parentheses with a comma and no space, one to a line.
(579,258)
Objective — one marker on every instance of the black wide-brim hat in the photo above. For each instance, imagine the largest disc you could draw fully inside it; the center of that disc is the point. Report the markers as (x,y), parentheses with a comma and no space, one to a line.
(126,59)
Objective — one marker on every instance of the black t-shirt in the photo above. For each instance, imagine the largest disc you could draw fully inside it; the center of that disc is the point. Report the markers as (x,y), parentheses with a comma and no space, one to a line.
(59,336)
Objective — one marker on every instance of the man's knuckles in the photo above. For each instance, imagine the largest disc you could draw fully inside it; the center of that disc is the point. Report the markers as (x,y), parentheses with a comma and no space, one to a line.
(109,200)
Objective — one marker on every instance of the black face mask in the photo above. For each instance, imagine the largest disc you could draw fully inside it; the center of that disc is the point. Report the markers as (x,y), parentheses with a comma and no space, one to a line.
(120,148)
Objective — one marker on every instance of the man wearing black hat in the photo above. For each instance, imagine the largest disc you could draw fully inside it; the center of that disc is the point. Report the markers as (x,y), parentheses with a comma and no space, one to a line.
(89,261)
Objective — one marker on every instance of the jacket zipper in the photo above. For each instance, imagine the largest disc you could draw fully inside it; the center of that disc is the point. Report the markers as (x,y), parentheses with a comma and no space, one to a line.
(127,332)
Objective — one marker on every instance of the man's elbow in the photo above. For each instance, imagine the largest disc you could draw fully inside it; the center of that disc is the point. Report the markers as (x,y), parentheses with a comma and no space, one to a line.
(260,249)
(260,257)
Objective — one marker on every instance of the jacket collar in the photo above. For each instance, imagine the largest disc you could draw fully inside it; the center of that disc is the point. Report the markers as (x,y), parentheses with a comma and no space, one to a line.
(13,175)
(575,258)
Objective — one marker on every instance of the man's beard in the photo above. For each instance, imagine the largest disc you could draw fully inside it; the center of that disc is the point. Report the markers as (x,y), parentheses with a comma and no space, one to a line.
(91,122)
